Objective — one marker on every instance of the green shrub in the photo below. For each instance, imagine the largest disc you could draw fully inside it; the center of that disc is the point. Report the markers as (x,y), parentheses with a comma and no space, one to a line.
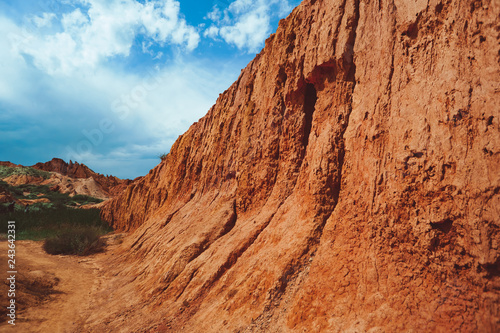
(85,199)
(48,219)
(163,156)
(78,241)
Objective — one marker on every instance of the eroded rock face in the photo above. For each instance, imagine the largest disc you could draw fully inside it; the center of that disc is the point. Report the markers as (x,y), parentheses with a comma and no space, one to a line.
(8,164)
(16,180)
(109,186)
(71,178)
(347,181)
(73,170)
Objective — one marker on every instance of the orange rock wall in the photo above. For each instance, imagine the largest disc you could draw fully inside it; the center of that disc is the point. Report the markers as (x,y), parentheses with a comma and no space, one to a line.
(347,181)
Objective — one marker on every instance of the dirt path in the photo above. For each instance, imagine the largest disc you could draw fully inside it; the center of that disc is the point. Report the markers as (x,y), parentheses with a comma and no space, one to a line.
(54,292)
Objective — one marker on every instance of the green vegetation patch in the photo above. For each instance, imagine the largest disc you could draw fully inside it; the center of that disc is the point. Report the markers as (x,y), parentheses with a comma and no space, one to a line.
(66,230)
(6,171)
(18,191)
(77,241)
(49,221)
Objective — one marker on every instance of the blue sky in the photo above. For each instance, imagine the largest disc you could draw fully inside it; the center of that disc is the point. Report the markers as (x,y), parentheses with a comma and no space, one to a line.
(113,83)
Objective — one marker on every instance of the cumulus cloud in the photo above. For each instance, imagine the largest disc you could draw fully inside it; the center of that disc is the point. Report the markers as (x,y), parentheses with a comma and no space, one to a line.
(245,23)
(74,22)
(45,20)
(60,112)
(88,80)
(101,30)
(164,23)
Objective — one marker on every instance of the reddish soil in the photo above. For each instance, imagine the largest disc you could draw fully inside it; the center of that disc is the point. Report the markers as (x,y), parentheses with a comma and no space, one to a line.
(54,292)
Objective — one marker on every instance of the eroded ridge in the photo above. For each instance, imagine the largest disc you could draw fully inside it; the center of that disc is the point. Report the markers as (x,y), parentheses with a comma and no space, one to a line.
(346,181)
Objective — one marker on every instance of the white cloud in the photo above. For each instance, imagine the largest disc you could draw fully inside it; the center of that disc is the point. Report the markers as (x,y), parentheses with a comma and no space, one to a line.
(60,81)
(166,23)
(43,21)
(105,29)
(148,111)
(215,14)
(244,6)
(72,22)
(212,32)
(246,23)
(248,32)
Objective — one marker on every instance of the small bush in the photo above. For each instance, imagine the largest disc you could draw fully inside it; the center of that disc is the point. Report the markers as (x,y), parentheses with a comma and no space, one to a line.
(80,241)
(85,199)
(163,156)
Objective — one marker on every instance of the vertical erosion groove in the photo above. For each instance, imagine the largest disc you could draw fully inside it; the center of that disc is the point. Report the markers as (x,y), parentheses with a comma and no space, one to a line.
(310,99)
(290,276)
(351,76)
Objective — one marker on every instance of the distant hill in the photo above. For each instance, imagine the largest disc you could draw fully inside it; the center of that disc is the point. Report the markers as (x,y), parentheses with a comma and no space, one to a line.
(20,183)
(111,185)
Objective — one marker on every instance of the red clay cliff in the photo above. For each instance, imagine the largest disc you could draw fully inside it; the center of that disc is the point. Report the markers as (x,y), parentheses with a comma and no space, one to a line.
(348,181)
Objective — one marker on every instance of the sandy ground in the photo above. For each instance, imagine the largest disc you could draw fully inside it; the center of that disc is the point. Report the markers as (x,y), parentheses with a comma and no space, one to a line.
(54,291)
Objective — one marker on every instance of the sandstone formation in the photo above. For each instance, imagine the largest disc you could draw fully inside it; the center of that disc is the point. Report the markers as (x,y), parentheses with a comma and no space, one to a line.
(16,180)
(110,185)
(26,202)
(348,181)
(8,164)
(72,178)
(73,186)
(74,170)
